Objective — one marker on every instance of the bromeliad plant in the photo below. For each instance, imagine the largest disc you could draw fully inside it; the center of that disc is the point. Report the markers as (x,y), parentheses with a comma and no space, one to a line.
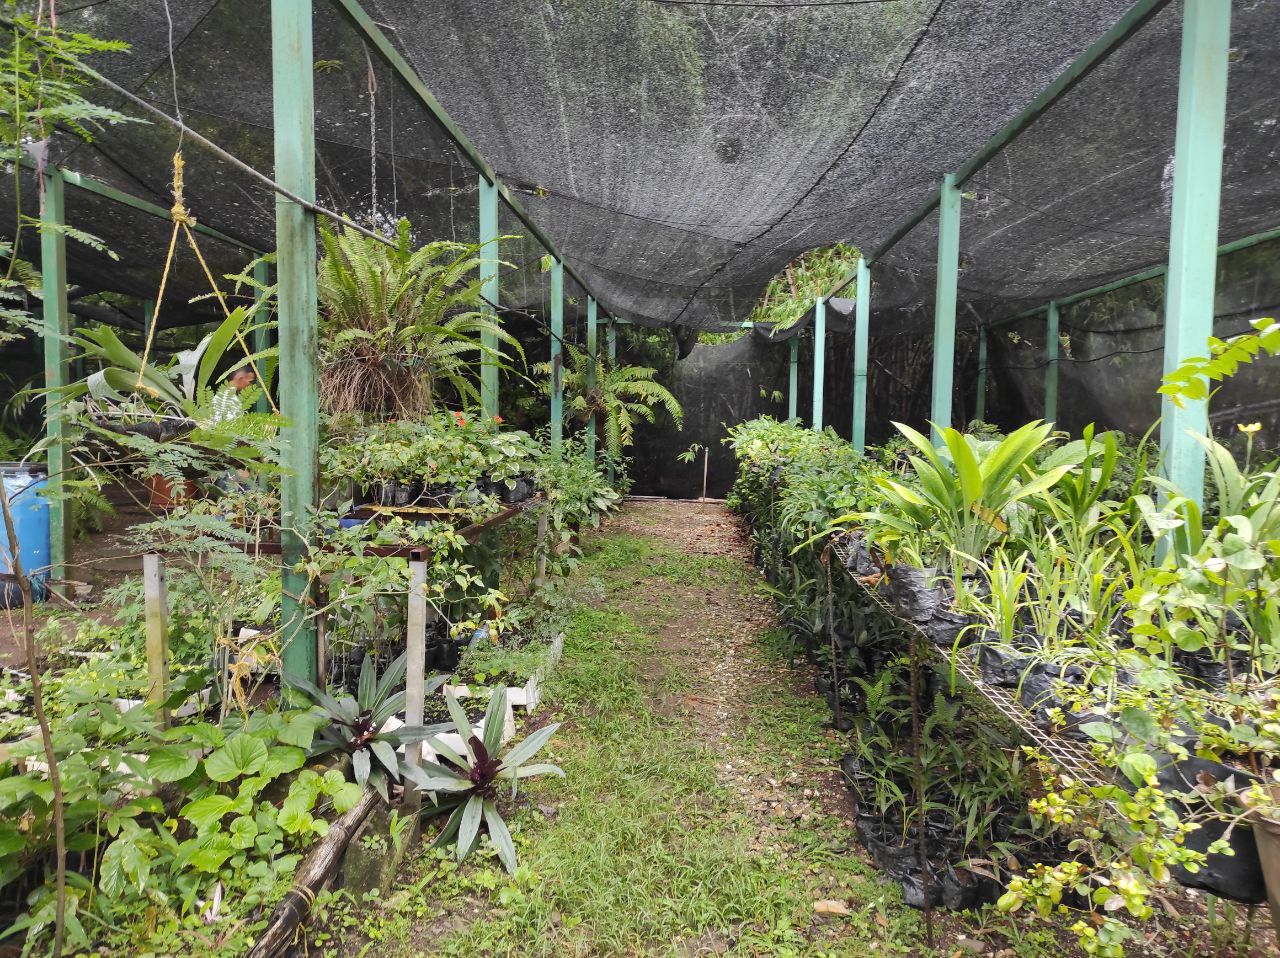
(358,725)
(468,785)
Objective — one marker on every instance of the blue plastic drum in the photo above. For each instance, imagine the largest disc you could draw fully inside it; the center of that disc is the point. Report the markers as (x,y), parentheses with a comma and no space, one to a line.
(23,485)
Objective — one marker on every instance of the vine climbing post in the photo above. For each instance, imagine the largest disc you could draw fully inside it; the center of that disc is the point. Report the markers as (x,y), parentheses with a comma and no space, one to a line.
(980,404)
(1051,365)
(490,293)
(53,274)
(292,68)
(819,359)
(592,356)
(1193,231)
(861,332)
(557,354)
(793,379)
(944,305)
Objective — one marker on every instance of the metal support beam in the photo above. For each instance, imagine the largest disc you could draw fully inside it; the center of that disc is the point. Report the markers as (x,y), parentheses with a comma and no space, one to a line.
(819,360)
(557,354)
(793,378)
(592,354)
(611,346)
(1051,365)
(262,334)
(53,273)
(292,62)
(944,305)
(489,255)
(1193,233)
(980,404)
(861,334)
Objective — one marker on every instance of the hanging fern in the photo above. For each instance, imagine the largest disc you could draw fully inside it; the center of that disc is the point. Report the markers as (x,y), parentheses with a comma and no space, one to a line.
(400,323)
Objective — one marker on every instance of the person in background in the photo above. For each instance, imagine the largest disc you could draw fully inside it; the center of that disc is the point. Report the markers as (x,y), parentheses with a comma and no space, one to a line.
(227,406)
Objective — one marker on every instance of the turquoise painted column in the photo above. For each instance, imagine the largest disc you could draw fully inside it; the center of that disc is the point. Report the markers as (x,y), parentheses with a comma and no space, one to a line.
(944,305)
(819,359)
(793,379)
(292,63)
(53,276)
(557,357)
(1051,365)
(489,290)
(611,341)
(980,404)
(261,334)
(1193,233)
(593,354)
(861,333)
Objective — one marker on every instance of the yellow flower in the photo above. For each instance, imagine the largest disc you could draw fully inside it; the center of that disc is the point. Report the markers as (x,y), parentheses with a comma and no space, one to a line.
(1249,429)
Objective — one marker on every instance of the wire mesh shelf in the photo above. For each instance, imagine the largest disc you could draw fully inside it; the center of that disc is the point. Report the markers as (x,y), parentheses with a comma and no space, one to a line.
(1073,757)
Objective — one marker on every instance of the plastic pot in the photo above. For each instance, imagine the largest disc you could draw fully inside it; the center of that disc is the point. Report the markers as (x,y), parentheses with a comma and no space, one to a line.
(915,595)
(1238,877)
(1001,665)
(945,627)
(1266,836)
(163,494)
(1038,692)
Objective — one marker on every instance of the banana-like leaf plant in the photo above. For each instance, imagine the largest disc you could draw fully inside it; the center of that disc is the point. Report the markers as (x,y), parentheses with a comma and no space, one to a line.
(358,725)
(468,783)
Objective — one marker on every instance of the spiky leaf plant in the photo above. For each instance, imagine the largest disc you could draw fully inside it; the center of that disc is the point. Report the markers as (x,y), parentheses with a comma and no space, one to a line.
(467,786)
(615,397)
(399,322)
(357,724)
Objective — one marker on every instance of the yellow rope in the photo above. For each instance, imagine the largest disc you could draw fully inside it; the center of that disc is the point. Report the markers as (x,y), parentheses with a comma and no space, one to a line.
(183,220)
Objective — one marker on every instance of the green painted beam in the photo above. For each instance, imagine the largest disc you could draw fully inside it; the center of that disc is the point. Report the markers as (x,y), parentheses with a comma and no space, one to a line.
(109,192)
(592,353)
(944,305)
(1193,233)
(376,38)
(1051,365)
(980,404)
(557,354)
(53,276)
(261,335)
(861,334)
(292,61)
(488,197)
(819,360)
(611,340)
(793,378)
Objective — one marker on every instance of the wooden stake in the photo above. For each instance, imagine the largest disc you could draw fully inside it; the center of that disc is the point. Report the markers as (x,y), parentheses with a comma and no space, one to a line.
(155,598)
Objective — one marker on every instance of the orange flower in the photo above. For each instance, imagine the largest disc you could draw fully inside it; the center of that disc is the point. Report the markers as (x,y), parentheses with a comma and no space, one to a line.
(497,419)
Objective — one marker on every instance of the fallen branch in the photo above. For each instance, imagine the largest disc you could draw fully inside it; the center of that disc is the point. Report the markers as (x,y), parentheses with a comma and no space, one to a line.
(311,876)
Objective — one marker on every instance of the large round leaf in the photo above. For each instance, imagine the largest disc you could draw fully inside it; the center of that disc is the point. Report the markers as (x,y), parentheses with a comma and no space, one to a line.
(243,755)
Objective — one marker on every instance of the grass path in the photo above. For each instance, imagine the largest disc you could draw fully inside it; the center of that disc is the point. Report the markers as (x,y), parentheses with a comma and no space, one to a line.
(700,813)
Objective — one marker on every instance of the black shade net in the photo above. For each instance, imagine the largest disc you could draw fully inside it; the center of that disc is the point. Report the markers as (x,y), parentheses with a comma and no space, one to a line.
(680,154)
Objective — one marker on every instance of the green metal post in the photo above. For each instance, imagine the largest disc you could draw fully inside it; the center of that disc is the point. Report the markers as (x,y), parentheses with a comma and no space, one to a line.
(1193,234)
(611,340)
(489,290)
(861,332)
(793,379)
(292,68)
(557,358)
(53,274)
(819,359)
(262,334)
(980,406)
(592,319)
(944,305)
(1051,365)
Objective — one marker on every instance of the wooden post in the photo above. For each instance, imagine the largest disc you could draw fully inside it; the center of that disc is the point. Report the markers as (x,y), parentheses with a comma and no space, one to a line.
(261,335)
(980,404)
(819,360)
(155,604)
(1051,365)
(540,573)
(416,656)
(611,345)
(793,377)
(592,354)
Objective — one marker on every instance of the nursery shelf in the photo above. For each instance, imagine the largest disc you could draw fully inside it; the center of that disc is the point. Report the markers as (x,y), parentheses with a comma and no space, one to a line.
(1071,756)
